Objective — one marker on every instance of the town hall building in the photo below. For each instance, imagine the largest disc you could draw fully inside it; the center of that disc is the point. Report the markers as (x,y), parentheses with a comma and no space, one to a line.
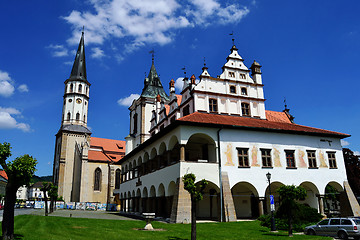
(219,129)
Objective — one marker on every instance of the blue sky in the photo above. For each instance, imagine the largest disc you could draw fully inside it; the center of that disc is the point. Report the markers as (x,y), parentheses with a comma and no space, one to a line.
(309,51)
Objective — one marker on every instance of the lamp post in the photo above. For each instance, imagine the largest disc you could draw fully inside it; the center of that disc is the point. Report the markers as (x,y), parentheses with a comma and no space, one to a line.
(273,228)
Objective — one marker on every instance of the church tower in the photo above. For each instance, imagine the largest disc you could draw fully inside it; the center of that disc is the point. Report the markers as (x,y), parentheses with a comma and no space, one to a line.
(141,109)
(73,138)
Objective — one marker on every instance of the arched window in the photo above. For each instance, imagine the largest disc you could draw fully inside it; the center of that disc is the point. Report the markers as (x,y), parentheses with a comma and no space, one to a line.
(97,179)
(77,116)
(117,178)
(86,89)
(80,88)
(68,116)
(71,87)
(135,123)
(84,118)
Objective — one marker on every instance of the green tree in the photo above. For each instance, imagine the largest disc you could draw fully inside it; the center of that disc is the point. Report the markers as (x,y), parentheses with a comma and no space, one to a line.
(196,194)
(53,194)
(19,172)
(45,188)
(289,194)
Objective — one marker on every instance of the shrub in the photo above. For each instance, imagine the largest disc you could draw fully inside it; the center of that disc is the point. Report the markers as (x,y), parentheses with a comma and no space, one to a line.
(303,217)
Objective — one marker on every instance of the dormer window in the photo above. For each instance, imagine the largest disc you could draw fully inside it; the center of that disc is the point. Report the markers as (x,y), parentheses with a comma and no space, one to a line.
(231,74)
(232,89)
(212,105)
(243,91)
(245,109)
(242,76)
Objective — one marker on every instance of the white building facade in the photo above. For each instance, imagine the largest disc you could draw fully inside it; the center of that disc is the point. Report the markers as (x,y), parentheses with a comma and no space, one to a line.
(219,130)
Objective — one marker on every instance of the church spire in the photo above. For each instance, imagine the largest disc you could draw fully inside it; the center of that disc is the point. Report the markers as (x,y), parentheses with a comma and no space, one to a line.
(79,68)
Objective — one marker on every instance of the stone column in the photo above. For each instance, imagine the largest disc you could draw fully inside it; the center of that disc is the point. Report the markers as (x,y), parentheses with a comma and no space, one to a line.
(181,204)
(261,205)
(321,203)
(229,207)
(182,152)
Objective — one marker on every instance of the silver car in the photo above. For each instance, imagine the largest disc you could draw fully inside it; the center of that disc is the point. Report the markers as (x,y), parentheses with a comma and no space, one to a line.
(336,227)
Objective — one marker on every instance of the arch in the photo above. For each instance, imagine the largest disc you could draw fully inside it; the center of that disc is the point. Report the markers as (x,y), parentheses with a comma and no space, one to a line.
(336,185)
(200,147)
(274,187)
(138,193)
(71,88)
(173,141)
(171,189)
(77,116)
(117,178)
(152,191)
(130,171)
(153,153)
(311,194)
(161,190)
(97,179)
(133,194)
(144,193)
(68,116)
(146,157)
(209,206)
(162,148)
(246,200)
(80,88)
(332,199)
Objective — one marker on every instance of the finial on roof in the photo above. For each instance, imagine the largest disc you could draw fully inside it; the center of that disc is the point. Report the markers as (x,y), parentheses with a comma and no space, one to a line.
(152,55)
(83,29)
(287,112)
(192,79)
(233,39)
(172,83)
(285,103)
(204,62)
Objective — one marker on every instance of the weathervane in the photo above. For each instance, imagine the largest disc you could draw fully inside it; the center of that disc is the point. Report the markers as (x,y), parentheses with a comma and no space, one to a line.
(204,62)
(184,69)
(152,55)
(285,103)
(233,40)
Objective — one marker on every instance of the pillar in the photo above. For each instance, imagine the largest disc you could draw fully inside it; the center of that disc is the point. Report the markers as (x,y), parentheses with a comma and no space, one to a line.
(182,153)
(261,205)
(181,204)
(321,204)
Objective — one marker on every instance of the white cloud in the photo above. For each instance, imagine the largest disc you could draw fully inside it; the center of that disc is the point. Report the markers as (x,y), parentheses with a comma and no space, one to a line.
(23,88)
(148,21)
(179,83)
(344,143)
(58,50)
(127,101)
(9,122)
(357,153)
(97,53)
(6,84)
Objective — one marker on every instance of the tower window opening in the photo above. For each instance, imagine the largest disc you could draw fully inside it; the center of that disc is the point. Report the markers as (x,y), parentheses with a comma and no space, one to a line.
(80,88)
(71,87)
(77,116)
(68,116)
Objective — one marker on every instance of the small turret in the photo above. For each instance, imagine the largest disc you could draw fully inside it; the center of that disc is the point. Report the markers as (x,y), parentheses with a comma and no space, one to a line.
(256,72)
(172,86)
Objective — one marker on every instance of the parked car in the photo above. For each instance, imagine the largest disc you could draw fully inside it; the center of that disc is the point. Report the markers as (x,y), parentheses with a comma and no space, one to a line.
(336,227)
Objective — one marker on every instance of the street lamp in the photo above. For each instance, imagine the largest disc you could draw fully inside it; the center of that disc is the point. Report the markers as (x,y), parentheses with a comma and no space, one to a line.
(273,228)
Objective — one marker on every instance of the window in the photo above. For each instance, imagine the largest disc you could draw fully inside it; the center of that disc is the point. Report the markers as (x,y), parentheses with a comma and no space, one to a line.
(346,222)
(212,105)
(266,157)
(245,109)
(332,159)
(84,118)
(232,89)
(135,120)
(335,221)
(71,87)
(324,222)
(243,157)
(77,116)
(231,74)
(290,159)
(97,179)
(243,91)
(80,88)
(312,159)
(242,76)
(117,178)
(186,110)
(68,116)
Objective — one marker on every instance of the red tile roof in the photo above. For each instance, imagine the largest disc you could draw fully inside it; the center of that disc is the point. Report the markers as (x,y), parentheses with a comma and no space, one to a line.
(106,150)
(277,116)
(3,174)
(277,123)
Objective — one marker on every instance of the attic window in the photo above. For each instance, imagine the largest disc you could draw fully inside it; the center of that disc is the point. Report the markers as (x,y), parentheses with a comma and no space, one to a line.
(112,157)
(231,74)
(119,147)
(242,76)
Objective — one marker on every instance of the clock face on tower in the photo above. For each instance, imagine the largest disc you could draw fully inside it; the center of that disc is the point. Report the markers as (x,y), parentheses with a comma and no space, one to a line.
(78,100)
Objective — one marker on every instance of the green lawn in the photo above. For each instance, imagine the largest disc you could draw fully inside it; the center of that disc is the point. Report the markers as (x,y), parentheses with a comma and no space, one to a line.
(40,227)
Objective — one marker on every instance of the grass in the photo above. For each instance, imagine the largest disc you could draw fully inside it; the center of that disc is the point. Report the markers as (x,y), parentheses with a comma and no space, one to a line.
(40,227)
